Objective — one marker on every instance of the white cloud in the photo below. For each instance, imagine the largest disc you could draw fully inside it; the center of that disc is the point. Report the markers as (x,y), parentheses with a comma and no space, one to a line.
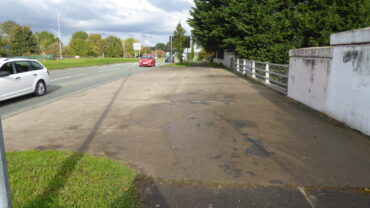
(150,21)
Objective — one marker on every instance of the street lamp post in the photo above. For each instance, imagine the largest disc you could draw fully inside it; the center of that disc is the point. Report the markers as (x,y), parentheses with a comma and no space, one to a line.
(60,41)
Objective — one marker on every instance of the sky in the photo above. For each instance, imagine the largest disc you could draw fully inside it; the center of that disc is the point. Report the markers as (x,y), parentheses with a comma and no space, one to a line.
(150,21)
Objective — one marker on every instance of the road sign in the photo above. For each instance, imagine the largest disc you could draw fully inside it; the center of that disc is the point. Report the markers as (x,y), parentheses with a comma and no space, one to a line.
(137,46)
(6,47)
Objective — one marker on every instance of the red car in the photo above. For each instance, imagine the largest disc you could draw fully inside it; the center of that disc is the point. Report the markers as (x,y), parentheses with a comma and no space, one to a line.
(147,60)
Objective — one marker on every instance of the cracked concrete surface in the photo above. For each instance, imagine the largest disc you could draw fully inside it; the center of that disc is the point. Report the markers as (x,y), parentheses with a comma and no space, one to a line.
(199,124)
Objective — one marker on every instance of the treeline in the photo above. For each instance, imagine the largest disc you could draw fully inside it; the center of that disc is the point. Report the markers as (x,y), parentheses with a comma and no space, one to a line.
(265,30)
(17,40)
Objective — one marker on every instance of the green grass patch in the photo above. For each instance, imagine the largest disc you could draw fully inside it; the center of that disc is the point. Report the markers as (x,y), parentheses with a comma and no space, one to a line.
(66,179)
(68,63)
(183,64)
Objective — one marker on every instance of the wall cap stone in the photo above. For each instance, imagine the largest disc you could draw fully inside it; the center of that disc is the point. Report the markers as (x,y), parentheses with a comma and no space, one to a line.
(316,52)
(359,36)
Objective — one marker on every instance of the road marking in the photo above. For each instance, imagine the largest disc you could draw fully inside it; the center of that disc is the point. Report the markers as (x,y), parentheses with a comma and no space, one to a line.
(67,77)
(308,199)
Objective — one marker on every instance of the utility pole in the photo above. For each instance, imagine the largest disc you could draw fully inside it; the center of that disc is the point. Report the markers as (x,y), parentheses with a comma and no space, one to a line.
(124,48)
(171,58)
(60,41)
(5,200)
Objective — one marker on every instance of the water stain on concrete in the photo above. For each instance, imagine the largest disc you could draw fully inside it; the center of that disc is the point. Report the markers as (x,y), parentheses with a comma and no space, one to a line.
(49,147)
(251,173)
(74,127)
(276,182)
(216,157)
(242,124)
(257,148)
(210,124)
(229,99)
(311,63)
(202,102)
(234,172)
(111,154)
(234,155)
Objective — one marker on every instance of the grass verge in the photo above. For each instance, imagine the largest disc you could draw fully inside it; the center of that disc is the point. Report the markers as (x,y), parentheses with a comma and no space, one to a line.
(68,63)
(66,179)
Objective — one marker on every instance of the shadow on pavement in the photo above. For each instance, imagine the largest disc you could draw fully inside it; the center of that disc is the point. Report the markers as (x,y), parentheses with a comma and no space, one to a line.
(65,171)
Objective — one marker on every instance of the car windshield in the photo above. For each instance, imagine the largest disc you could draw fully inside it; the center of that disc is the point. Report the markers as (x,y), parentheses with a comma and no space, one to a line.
(146,57)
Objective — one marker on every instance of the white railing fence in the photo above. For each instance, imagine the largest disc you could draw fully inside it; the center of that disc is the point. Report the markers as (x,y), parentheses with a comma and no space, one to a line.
(272,75)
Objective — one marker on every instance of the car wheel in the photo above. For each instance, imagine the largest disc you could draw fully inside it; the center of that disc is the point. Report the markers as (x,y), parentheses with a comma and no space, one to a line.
(40,89)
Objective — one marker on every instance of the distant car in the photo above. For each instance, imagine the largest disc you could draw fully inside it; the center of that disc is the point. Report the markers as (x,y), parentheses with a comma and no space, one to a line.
(168,60)
(22,76)
(147,60)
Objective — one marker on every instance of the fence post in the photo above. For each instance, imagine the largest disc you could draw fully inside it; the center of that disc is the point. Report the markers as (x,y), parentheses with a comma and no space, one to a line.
(5,200)
(244,67)
(267,75)
(253,69)
(237,65)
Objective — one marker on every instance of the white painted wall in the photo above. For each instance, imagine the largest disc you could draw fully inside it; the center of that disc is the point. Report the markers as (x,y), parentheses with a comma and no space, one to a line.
(309,71)
(335,80)
(226,60)
(349,86)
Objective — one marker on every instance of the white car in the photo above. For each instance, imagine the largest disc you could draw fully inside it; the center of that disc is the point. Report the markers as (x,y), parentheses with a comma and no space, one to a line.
(22,76)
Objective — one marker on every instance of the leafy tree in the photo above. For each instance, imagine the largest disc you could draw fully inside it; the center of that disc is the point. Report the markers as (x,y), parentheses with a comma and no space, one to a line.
(114,47)
(159,53)
(45,39)
(205,55)
(179,41)
(2,48)
(97,44)
(7,31)
(80,35)
(52,48)
(23,42)
(162,46)
(79,44)
(129,47)
(145,50)
(207,22)
(192,53)
(265,30)
(67,51)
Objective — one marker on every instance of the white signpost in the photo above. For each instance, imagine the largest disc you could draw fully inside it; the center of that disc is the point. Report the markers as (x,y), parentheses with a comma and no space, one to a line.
(137,47)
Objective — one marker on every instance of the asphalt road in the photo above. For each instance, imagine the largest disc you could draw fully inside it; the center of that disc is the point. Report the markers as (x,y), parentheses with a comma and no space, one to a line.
(69,81)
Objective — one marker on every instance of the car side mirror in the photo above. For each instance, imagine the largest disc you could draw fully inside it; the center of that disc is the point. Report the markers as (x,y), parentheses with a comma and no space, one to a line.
(4,73)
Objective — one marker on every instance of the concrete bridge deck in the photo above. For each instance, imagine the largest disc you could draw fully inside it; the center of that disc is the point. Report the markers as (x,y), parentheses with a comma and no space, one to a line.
(199,125)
